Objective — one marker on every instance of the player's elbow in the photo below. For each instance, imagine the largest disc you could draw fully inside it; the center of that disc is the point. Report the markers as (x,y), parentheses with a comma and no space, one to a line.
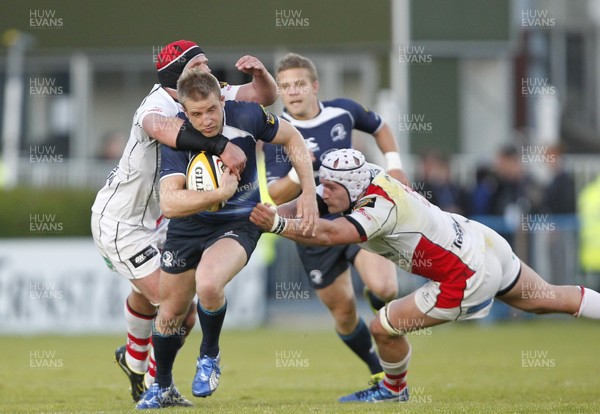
(269,98)
(278,199)
(265,96)
(167,208)
(279,194)
(328,242)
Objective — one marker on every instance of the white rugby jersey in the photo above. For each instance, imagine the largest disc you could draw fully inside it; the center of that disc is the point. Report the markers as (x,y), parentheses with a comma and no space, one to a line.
(401,225)
(130,194)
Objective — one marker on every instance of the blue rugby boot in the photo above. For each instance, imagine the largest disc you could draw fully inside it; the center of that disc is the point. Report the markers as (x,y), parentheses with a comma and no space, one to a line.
(377,393)
(206,380)
(156,397)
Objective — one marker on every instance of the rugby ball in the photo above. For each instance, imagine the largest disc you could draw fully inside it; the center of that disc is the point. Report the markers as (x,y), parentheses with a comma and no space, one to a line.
(204,173)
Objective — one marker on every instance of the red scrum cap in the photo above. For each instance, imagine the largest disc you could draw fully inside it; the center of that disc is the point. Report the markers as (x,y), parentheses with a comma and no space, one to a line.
(172,59)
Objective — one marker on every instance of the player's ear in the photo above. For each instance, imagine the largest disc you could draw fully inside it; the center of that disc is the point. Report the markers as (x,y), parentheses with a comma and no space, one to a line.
(315,86)
(222,100)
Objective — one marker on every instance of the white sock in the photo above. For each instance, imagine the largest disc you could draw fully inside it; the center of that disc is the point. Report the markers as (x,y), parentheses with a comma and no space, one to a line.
(139,333)
(590,304)
(151,373)
(395,373)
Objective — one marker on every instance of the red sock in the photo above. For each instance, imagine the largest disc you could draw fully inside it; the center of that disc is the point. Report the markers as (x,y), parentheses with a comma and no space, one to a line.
(395,373)
(395,382)
(139,332)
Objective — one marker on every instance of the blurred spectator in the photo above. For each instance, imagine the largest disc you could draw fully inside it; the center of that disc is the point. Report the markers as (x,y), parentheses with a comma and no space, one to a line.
(113,144)
(514,196)
(436,184)
(559,195)
(559,198)
(481,194)
(514,189)
(588,204)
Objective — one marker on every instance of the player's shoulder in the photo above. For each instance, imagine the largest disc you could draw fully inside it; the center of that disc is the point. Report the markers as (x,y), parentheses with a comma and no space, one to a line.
(241,114)
(158,101)
(343,103)
(157,95)
(382,186)
(241,108)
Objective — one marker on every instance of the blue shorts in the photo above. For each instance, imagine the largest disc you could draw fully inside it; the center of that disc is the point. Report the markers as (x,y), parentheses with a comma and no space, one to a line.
(324,264)
(188,238)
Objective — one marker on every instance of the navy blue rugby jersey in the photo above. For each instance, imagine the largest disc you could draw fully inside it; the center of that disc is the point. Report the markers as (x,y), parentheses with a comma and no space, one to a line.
(330,129)
(244,124)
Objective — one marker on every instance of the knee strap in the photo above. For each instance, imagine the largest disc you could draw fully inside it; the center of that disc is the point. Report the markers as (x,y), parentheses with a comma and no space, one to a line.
(385,322)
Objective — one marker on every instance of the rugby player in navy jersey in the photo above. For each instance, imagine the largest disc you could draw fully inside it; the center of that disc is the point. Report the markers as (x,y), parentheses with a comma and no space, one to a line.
(325,126)
(205,250)
(127,224)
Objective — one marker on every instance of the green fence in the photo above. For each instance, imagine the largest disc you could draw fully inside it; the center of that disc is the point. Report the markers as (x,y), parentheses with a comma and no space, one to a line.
(27,212)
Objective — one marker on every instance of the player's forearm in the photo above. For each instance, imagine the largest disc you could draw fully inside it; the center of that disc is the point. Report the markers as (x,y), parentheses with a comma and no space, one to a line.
(295,231)
(385,139)
(183,202)
(179,134)
(283,190)
(389,147)
(301,161)
(265,88)
(163,129)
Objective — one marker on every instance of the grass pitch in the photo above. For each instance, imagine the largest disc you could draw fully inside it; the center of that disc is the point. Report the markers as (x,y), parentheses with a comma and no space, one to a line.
(543,366)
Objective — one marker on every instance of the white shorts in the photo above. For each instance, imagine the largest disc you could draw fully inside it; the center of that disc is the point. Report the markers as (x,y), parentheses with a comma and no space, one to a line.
(497,273)
(132,251)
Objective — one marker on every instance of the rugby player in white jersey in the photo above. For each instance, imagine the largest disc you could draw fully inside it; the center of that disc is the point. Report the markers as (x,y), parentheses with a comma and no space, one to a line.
(127,224)
(468,264)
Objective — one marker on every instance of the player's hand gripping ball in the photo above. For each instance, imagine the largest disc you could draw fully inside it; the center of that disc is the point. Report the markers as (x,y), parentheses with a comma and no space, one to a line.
(204,174)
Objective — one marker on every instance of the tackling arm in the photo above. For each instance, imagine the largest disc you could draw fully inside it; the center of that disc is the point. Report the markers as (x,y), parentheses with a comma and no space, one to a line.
(330,233)
(163,129)
(294,145)
(170,132)
(263,88)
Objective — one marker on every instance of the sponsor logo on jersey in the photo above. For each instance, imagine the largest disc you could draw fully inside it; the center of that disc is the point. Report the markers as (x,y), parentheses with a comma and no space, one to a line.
(458,231)
(111,175)
(338,132)
(143,256)
(108,263)
(312,144)
(155,109)
(269,117)
(365,202)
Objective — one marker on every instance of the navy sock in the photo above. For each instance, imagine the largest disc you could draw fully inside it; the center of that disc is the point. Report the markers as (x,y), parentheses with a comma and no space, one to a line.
(374,300)
(361,344)
(165,350)
(211,323)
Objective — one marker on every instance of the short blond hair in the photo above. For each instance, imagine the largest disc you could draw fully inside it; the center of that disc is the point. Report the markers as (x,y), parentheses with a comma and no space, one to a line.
(197,85)
(295,61)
